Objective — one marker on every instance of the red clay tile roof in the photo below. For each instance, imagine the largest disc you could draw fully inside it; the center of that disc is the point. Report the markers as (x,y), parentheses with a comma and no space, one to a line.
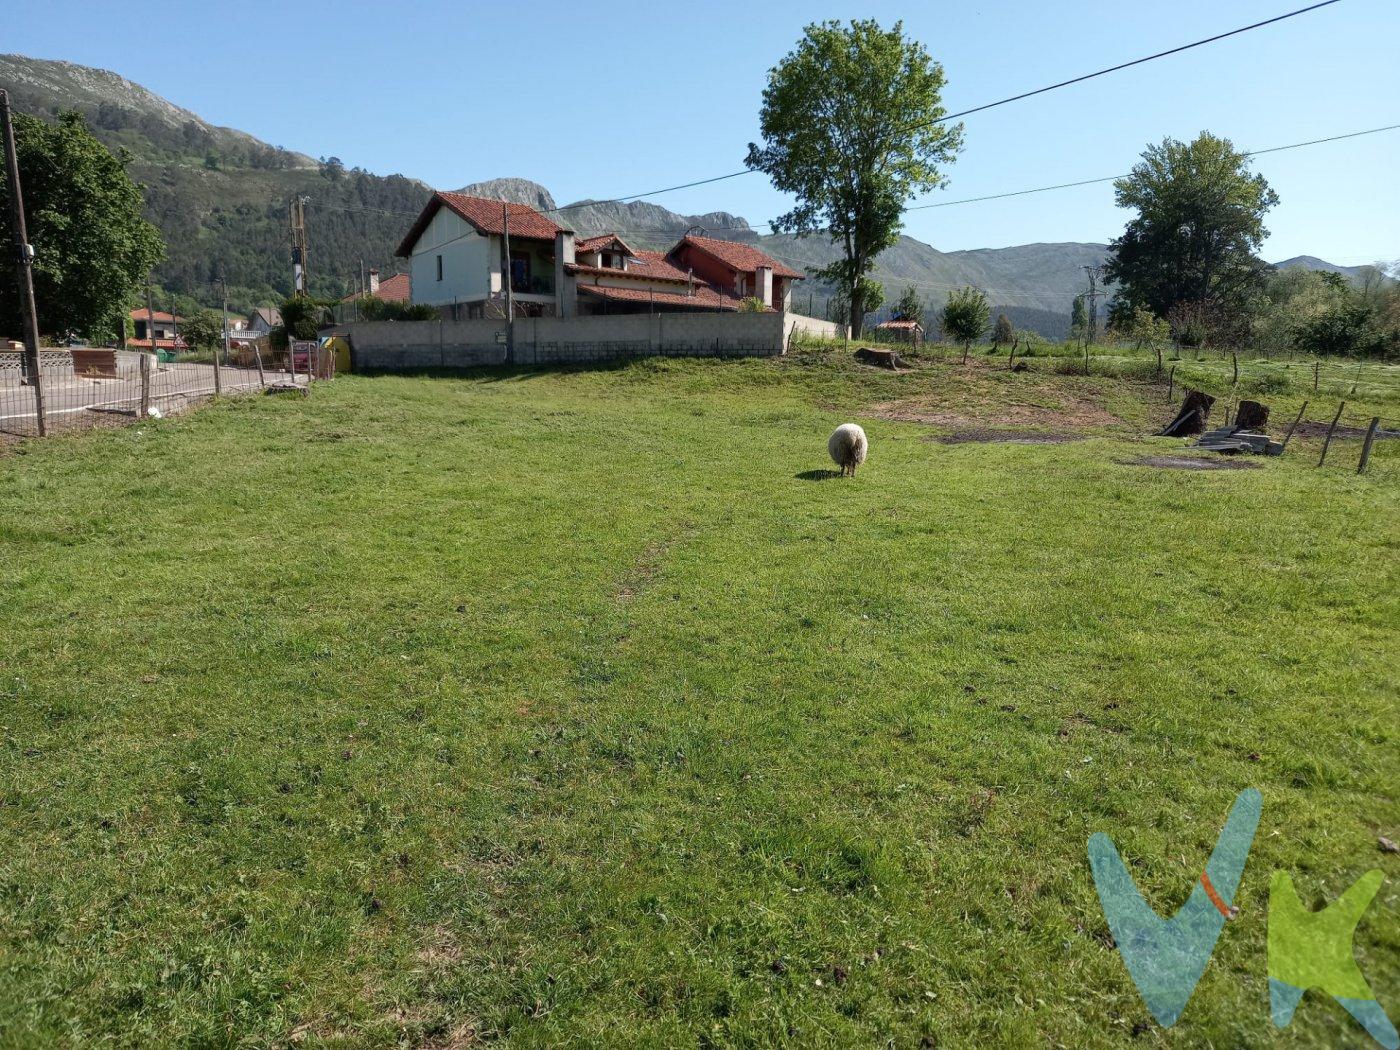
(646,266)
(392,289)
(742,257)
(141,315)
(705,297)
(605,240)
(485,215)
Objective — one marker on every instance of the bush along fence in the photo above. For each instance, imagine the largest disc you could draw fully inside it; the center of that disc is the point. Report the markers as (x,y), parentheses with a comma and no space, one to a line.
(83,387)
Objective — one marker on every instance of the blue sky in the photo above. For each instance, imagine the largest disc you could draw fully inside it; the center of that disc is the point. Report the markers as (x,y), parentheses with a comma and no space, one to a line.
(601,101)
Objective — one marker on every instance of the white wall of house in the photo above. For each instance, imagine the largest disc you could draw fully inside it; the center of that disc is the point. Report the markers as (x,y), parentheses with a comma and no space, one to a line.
(469,261)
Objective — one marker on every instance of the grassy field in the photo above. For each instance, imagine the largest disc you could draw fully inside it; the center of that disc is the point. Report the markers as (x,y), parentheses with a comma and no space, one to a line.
(585,707)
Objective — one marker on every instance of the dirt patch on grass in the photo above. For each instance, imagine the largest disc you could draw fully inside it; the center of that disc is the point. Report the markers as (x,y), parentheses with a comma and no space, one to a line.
(1189,463)
(1074,414)
(1315,429)
(982,436)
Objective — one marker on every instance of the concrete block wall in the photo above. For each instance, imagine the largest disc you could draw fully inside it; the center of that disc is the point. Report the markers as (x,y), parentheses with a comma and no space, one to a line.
(398,346)
(816,326)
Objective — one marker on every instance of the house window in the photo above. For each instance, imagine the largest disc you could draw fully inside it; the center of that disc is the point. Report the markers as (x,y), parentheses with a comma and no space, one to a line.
(439,267)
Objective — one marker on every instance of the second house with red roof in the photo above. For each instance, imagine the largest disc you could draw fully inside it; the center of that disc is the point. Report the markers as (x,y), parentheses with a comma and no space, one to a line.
(460,263)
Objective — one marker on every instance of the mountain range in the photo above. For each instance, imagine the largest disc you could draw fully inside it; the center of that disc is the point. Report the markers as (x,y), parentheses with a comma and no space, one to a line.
(220,197)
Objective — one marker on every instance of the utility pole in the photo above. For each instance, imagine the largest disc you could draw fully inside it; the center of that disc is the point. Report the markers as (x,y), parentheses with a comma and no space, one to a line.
(223,290)
(24,254)
(506,280)
(300,250)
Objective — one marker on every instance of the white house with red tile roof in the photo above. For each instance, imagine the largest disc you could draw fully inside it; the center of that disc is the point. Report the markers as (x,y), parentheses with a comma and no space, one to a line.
(162,325)
(455,249)
(455,252)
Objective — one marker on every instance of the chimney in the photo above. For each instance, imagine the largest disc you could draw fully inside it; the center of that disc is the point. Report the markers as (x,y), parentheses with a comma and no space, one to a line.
(565,283)
(373,282)
(763,281)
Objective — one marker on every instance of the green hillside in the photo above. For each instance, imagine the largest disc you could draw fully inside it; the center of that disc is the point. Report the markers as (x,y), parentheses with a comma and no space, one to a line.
(220,196)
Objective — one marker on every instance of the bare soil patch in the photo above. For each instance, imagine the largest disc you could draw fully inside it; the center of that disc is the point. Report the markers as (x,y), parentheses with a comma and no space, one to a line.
(983,436)
(1311,428)
(1074,414)
(1189,463)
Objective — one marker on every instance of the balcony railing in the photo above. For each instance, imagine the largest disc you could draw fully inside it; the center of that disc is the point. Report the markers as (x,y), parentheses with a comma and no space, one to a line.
(532,285)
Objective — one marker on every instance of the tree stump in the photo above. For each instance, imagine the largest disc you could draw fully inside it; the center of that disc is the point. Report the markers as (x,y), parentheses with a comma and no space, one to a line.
(1251,415)
(1195,411)
(870,355)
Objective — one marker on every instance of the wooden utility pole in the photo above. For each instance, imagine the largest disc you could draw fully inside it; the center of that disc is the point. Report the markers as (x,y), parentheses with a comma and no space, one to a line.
(24,271)
(223,289)
(174,332)
(506,281)
(300,247)
(150,316)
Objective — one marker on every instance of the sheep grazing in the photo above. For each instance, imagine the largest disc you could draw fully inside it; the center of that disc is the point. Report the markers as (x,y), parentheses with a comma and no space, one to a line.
(848,446)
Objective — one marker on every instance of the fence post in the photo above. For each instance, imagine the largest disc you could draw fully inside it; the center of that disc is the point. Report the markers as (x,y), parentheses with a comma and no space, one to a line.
(1296,420)
(1366,447)
(1171,384)
(1317,371)
(1327,441)
(292,361)
(218,384)
(257,356)
(146,383)
(1235,360)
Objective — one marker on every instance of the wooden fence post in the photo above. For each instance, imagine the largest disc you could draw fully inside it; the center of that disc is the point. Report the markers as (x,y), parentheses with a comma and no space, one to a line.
(257,356)
(1366,446)
(1327,441)
(146,383)
(1296,420)
(218,384)
(1171,383)
(1235,360)
(1317,371)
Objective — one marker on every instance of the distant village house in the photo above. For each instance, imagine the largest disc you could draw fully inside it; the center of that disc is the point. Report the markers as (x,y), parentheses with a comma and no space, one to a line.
(457,262)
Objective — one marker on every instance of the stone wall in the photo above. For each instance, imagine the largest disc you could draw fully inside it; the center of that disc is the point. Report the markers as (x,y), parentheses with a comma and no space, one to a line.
(401,346)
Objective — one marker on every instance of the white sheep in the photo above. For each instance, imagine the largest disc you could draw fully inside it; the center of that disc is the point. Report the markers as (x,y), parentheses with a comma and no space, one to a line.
(848,446)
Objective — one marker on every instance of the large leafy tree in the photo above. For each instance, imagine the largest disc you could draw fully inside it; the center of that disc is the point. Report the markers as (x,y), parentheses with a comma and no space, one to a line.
(1200,220)
(851,124)
(92,248)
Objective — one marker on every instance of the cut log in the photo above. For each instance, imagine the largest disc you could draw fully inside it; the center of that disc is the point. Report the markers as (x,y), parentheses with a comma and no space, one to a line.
(881,358)
(1194,414)
(1251,415)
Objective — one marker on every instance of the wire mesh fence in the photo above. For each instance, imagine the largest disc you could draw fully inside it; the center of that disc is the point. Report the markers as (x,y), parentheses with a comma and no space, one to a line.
(85,387)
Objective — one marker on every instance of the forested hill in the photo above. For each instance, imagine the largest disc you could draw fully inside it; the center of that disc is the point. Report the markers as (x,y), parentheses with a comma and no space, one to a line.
(219,196)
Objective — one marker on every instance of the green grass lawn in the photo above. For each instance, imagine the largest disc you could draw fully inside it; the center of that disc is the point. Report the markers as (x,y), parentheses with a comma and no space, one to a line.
(568,708)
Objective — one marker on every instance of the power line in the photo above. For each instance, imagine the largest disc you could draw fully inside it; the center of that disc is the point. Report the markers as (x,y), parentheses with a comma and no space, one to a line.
(990,105)
(1111,178)
(1135,62)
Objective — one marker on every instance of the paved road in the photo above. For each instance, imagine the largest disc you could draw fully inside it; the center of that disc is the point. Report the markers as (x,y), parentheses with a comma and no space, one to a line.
(173,387)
